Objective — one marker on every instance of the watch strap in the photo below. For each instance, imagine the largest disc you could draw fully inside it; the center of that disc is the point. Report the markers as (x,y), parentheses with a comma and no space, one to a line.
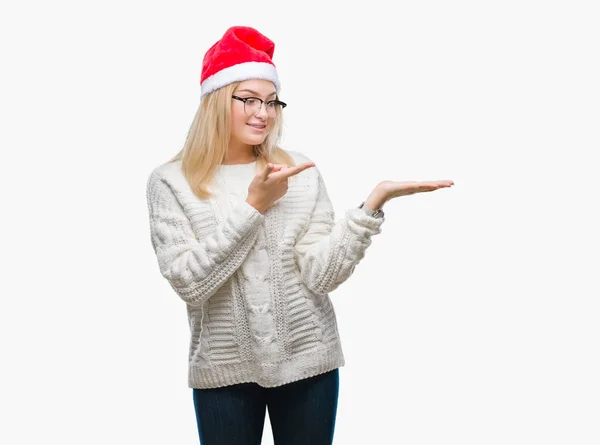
(374,213)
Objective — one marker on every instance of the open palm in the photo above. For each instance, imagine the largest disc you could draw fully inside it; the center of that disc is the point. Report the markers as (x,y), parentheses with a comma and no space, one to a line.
(394,189)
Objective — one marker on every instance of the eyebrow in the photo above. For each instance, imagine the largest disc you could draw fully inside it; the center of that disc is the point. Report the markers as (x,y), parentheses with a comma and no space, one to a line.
(254,92)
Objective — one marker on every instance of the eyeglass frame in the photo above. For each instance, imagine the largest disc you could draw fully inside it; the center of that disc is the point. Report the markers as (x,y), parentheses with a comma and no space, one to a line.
(262,102)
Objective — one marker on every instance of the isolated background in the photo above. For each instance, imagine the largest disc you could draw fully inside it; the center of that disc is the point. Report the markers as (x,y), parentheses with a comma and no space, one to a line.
(473,319)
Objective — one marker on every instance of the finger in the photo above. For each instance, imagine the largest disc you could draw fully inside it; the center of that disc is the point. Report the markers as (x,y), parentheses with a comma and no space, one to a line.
(431,187)
(291,171)
(278,167)
(442,183)
(425,186)
(266,171)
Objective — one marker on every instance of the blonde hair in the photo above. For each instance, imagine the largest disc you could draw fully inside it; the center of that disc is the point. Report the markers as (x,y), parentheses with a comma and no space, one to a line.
(208,138)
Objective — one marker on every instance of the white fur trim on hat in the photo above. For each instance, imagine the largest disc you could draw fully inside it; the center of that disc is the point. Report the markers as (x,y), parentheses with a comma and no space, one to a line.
(238,73)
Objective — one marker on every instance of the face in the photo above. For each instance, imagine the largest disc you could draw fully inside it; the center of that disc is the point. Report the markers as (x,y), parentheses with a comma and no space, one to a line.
(250,125)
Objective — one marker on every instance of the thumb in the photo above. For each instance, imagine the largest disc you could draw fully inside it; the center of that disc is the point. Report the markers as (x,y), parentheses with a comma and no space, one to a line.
(267,171)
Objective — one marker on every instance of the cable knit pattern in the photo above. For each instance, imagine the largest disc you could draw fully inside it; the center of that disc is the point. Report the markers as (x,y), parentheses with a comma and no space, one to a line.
(256,286)
(327,253)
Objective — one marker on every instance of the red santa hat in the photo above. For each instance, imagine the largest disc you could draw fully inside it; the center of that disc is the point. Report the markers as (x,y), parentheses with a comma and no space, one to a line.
(241,54)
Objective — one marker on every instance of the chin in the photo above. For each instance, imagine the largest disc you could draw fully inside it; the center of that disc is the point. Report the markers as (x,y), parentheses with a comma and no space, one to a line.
(254,139)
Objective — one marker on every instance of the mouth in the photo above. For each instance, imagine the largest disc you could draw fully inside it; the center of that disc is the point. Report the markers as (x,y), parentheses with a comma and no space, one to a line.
(258,127)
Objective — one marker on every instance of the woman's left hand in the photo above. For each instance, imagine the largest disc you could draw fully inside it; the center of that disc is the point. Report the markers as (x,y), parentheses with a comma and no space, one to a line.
(386,190)
(394,189)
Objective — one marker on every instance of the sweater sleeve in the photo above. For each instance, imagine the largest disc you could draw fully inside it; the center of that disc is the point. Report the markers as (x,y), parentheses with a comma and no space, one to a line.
(328,251)
(196,268)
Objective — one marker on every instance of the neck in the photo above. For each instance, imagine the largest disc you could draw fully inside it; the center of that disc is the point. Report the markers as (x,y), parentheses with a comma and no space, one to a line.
(239,154)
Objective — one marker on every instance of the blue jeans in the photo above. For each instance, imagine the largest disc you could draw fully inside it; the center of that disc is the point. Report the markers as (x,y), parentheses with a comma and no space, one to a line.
(300,413)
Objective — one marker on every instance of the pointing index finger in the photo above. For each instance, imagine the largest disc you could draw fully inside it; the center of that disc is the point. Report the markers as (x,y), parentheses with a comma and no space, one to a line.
(291,171)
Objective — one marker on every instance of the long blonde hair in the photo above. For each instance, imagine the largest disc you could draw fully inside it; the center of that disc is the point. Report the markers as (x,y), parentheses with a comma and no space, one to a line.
(208,138)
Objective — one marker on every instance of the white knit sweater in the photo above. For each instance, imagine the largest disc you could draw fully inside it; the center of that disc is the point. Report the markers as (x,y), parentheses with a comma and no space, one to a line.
(256,286)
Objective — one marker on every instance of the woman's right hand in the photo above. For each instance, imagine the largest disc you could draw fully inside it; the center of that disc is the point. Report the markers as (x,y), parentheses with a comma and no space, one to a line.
(271,184)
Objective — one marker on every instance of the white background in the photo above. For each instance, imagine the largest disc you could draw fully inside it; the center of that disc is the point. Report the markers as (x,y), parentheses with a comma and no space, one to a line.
(473,318)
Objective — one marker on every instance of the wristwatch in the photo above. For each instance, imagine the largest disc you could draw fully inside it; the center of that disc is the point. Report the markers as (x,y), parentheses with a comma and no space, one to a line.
(374,213)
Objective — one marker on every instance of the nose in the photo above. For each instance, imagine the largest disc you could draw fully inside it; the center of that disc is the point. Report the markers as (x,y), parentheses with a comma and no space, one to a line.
(262,111)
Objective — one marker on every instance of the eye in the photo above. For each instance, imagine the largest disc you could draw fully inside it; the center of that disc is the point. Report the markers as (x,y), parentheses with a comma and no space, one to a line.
(251,101)
(271,103)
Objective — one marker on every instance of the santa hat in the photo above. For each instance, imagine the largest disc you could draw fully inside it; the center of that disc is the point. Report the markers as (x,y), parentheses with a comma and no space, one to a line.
(241,54)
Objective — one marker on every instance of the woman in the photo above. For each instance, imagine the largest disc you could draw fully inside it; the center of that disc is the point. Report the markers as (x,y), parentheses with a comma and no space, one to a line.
(244,232)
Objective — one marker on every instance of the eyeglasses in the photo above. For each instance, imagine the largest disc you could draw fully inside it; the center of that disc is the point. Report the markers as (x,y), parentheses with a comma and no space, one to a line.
(252,105)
